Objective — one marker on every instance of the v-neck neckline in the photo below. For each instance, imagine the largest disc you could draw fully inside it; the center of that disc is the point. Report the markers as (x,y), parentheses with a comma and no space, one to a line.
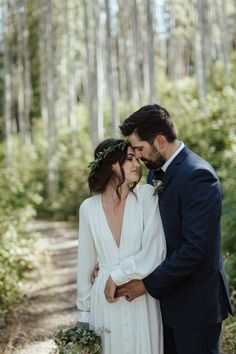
(107,223)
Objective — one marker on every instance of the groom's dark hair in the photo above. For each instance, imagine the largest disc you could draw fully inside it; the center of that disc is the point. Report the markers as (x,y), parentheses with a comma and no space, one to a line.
(148,122)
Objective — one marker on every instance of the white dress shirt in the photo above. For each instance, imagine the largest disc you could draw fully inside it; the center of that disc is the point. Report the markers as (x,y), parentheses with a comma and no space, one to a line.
(168,162)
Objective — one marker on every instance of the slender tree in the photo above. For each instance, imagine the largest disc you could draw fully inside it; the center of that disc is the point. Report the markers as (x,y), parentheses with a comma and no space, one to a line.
(224,41)
(7,81)
(48,94)
(111,72)
(151,52)
(201,51)
(136,51)
(99,70)
(22,92)
(89,84)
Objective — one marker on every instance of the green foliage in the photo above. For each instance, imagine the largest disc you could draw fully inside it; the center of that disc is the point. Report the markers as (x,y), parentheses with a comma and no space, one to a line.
(16,260)
(16,257)
(78,341)
(74,154)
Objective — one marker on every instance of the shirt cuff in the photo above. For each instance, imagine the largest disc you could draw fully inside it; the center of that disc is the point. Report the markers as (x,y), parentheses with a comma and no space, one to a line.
(118,276)
(84,316)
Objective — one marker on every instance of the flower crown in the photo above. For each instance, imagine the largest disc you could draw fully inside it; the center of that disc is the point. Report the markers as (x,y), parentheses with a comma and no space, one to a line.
(101,155)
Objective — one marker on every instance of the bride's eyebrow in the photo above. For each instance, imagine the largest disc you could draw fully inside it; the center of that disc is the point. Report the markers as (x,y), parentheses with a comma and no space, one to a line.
(130,154)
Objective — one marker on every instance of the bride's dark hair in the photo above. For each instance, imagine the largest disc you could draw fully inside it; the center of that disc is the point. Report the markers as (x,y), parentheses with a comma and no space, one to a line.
(103,174)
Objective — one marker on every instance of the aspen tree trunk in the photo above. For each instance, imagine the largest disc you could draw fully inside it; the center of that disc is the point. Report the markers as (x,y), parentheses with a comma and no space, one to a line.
(89,85)
(100,72)
(136,43)
(7,83)
(70,66)
(48,94)
(125,80)
(20,74)
(200,52)
(224,41)
(111,72)
(151,54)
(43,76)
(27,70)
(146,84)
(52,131)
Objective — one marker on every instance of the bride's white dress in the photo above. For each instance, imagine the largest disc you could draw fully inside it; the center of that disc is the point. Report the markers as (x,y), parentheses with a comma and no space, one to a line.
(127,327)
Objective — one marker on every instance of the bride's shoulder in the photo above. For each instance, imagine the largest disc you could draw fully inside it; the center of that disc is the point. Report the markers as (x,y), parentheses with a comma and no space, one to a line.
(144,190)
(89,202)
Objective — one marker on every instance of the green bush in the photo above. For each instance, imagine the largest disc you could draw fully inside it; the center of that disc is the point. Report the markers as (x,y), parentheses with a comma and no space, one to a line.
(16,257)
(74,154)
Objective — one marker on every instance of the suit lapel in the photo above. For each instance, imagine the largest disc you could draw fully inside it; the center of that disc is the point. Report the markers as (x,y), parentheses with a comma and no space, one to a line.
(174,165)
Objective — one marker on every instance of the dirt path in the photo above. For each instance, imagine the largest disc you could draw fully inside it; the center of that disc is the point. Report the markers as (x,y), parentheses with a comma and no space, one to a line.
(50,300)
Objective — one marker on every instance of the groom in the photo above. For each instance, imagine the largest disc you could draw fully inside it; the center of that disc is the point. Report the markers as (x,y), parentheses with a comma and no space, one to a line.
(190,283)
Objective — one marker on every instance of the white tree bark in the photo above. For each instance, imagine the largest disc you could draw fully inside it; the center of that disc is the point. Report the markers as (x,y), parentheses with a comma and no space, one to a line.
(48,94)
(100,72)
(23,121)
(111,72)
(224,40)
(27,70)
(151,53)
(200,52)
(89,84)
(70,65)
(7,83)
(125,77)
(136,44)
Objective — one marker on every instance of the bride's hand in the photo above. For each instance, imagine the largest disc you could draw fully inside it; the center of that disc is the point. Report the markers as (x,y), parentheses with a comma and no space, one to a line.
(110,290)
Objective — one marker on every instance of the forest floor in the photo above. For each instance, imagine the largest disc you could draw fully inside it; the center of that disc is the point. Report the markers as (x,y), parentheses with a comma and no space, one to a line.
(49,301)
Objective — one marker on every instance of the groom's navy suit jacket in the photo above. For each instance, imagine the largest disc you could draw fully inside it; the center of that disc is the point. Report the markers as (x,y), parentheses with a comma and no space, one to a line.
(190,283)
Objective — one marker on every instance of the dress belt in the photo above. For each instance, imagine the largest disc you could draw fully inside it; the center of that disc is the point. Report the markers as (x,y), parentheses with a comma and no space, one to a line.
(108,266)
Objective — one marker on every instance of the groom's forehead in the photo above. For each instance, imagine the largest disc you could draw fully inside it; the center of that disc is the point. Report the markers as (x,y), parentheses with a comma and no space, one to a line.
(135,141)
(135,147)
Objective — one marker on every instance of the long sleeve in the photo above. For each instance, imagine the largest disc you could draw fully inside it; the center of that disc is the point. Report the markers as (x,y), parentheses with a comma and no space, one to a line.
(87,259)
(153,249)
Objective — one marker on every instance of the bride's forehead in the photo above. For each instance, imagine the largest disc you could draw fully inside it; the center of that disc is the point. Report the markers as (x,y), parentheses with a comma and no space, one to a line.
(130,150)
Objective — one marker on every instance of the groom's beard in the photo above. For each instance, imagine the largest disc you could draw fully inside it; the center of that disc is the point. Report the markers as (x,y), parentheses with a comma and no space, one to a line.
(153,165)
(159,161)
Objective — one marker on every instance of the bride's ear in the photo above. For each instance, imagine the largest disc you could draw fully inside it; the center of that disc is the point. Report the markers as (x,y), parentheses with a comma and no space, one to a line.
(116,168)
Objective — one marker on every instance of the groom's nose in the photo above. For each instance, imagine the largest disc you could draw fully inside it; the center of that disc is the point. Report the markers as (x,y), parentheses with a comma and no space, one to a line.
(138,154)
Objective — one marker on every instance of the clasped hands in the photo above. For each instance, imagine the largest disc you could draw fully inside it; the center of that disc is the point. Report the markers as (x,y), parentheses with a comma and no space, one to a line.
(130,290)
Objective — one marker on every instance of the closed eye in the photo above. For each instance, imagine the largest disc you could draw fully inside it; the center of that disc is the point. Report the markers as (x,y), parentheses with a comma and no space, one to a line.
(130,157)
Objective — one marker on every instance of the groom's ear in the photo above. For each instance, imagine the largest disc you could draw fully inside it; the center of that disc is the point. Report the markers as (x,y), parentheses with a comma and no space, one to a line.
(159,142)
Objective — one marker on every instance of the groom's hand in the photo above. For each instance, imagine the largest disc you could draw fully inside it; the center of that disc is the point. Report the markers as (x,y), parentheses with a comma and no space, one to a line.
(131,290)
(94,274)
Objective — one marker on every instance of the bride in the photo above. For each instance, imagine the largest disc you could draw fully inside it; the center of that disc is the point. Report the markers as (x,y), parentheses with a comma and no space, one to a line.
(121,229)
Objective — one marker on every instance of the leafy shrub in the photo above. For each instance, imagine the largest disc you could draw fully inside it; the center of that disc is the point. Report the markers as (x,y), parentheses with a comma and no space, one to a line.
(78,341)
(16,258)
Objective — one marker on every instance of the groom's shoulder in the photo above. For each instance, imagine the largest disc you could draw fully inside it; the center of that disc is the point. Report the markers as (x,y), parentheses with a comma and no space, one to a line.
(194,162)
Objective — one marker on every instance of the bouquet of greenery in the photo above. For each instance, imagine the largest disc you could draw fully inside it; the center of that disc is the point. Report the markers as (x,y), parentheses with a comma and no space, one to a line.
(78,341)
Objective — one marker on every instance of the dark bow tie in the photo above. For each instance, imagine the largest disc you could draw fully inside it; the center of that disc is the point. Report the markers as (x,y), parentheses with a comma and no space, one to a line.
(159,174)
